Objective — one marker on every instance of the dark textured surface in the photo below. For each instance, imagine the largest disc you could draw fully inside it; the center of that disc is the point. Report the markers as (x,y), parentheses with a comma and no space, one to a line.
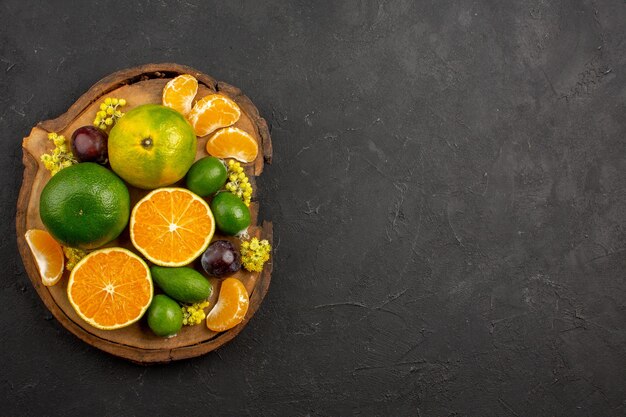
(448,194)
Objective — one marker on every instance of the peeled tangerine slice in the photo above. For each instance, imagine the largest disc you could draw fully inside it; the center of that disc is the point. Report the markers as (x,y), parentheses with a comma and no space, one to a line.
(233,143)
(213,112)
(179,93)
(48,255)
(231,306)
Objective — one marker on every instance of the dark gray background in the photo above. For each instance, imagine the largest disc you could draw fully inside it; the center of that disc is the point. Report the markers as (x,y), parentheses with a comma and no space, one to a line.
(447,193)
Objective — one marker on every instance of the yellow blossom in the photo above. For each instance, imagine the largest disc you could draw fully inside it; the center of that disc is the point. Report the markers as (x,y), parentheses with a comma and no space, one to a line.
(254,254)
(73,256)
(60,157)
(194,313)
(109,112)
(238,182)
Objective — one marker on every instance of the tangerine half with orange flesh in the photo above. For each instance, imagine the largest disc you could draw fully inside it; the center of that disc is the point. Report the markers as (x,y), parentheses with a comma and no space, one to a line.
(171,226)
(110,288)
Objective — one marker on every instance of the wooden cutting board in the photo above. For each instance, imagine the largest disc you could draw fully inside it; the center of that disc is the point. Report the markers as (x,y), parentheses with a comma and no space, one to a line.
(139,85)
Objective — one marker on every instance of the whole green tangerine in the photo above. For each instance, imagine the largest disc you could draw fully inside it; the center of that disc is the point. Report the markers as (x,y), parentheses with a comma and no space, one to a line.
(152,146)
(85,206)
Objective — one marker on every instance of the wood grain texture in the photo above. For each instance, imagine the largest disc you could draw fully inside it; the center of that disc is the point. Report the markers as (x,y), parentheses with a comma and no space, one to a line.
(138,86)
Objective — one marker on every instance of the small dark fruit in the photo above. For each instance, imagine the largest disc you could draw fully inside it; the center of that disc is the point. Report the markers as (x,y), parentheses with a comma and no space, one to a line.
(221,258)
(89,144)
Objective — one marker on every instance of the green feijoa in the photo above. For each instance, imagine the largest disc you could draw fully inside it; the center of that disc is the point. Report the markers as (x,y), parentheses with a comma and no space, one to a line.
(183,284)
(165,316)
(231,214)
(206,176)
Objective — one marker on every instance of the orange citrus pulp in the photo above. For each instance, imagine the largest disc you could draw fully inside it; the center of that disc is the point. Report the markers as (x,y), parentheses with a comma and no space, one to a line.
(213,112)
(233,143)
(179,93)
(231,307)
(110,288)
(171,226)
(48,255)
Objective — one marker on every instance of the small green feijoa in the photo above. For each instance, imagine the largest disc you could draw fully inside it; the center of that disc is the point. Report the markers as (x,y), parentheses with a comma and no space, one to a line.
(206,176)
(182,284)
(165,316)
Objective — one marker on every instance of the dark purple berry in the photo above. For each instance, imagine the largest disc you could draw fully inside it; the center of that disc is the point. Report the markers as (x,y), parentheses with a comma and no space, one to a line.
(221,258)
(89,144)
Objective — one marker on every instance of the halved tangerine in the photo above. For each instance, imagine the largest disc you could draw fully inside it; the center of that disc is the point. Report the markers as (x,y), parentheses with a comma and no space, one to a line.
(110,288)
(234,143)
(48,255)
(171,226)
(231,307)
(213,112)
(179,93)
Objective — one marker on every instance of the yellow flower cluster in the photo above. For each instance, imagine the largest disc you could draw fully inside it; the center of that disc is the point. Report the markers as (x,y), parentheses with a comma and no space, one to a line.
(108,113)
(61,157)
(238,183)
(194,313)
(73,256)
(255,253)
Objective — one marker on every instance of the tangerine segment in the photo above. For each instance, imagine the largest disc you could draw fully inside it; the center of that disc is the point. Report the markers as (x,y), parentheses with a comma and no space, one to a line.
(231,307)
(179,93)
(213,112)
(171,226)
(110,288)
(234,143)
(48,255)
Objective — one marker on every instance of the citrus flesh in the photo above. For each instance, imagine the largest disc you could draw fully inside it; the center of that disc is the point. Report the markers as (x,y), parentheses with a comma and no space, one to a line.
(233,142)
(213,112)
(152,146)
(110,288)
(171,226)
(231,307)
(179,93)
(84,206)
(48,255)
